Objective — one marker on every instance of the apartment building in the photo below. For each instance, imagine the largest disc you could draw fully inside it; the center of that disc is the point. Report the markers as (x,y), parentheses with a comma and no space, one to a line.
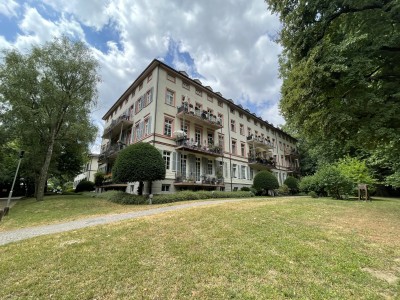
(207,141)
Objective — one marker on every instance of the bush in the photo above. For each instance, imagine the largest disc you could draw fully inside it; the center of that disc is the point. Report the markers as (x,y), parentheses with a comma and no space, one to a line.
(98,178)
(125,198)
(265,181)
(313,194)
(308,184)
(332,181)
(283,190)
(84,186)
(292,184)
(245,189)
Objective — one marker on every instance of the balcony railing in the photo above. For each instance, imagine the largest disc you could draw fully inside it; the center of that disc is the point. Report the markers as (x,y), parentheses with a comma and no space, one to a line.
(259,163)
(260,142)
(291,152)
(191,146)
(115,127)
(111,151)
(200,117)
(205,181)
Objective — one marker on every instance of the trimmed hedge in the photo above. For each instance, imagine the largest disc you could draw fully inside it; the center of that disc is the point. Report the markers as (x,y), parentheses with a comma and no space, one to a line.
(265,181)
(125,198)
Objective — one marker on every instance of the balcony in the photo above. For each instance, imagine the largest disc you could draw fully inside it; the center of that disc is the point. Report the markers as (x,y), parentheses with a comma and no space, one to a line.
(185,144)
(291,153)
(205,183)
(199,117)
(111,152)
(258,163)
(119,124)
(260,142)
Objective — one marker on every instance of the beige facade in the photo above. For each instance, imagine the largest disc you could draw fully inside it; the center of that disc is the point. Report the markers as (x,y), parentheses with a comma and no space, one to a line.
(207,141)
(88,170)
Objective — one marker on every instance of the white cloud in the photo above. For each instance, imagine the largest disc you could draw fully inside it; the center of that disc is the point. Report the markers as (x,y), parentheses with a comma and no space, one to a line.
(9,8)
(230,43)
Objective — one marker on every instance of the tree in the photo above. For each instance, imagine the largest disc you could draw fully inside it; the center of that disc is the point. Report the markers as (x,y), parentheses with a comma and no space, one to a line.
(139,162)
(265,181)
(356,170)
(293,184)
(329,179)
(47,95)
(341,72)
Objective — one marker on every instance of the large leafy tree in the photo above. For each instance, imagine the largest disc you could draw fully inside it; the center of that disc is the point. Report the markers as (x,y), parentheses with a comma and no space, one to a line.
(139,162)
(341,73)
(47,95)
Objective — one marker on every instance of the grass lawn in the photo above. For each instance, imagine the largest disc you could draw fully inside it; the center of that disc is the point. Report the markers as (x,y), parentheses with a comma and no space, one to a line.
(279,248)
(59,208)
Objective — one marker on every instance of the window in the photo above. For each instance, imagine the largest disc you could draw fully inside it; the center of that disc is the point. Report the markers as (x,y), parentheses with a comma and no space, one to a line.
(241,115)
(149,97)
(197,136)
(241,129)
(234,170)
(133,94)
(232,111)
(167,159)
(209,98)
(186,85)
(168,127)
(242,149)
(233,125)
(210,138)
(220,119)
(248,131)
(251,174)
(198,92)
(185,127)
(243,172)
(209,167)
(171,78)
(149,77)
(220,103)
(137,132)
(198,164)
(233,147)
(140,86)
(165,187)
(183,165)
(256,123)
(170,97)
(146,127)
(248,119)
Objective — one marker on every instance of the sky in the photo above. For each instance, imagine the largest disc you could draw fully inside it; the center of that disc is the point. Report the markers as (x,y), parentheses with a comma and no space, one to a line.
(229,45)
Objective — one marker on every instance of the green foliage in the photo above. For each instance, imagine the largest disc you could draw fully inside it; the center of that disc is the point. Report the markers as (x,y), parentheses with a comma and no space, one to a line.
(356,170)
(341,72)
(46,97)
(98,178)
(265,181)
(84,186)
(245,189)
(125,198)
(308,184)
(283,190)
(393,180)
(292,183)
(139,162)
(313,194)
(331,180)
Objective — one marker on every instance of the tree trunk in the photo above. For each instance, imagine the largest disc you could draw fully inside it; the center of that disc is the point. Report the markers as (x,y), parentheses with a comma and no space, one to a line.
(150,186)
(45,169)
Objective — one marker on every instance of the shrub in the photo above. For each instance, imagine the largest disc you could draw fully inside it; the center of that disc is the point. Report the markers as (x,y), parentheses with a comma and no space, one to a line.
(84,186)
(333,181)
(292,184)
(308,184)
(125,198)
(313,194)
(283,190)
(139,162)
(98,178)
(265,181)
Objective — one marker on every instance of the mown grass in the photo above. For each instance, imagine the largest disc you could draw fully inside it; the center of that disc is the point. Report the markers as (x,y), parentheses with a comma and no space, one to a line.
(296,248)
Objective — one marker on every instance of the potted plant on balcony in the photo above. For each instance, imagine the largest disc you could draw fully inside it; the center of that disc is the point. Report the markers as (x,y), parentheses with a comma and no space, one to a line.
(191,110)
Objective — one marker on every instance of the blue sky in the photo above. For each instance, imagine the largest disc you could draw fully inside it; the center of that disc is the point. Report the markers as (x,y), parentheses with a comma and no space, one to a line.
(227,44)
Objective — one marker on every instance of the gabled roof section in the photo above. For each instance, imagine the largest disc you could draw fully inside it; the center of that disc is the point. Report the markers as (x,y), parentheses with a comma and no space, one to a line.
(198,81)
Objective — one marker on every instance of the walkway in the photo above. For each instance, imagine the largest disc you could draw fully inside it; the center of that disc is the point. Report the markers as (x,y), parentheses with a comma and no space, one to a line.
(30,232)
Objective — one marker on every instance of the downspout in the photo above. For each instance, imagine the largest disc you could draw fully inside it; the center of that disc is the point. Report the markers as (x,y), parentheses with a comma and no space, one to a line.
(155,110)
(230,145)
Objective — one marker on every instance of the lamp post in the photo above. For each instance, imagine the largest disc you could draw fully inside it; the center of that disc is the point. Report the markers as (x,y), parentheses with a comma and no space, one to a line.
(7,208)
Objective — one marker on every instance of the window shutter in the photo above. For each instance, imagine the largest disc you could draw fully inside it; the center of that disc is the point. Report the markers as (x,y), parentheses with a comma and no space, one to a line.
(239,167)
(248,173)
(192,165)
(151,94)
(204,162)
(174,161)
(226,169)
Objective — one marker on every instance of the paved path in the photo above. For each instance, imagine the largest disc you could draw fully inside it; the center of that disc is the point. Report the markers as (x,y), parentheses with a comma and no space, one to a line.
(26,233)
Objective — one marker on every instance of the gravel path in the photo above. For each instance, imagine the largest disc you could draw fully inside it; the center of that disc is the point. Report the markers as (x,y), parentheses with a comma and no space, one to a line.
(26,233)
